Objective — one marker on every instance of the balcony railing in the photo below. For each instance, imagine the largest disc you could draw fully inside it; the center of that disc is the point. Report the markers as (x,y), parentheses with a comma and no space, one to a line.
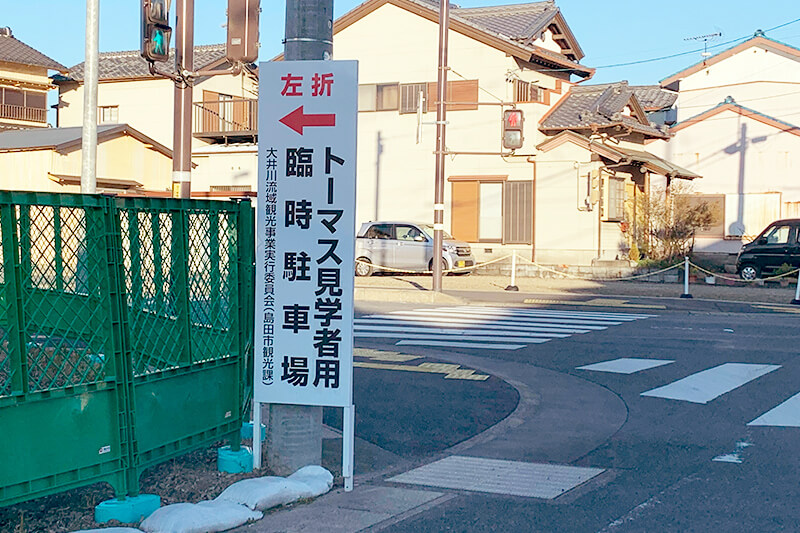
(233,118)
(18,112)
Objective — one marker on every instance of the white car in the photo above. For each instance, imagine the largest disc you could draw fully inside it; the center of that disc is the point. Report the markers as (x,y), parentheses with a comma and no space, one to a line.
(406,246)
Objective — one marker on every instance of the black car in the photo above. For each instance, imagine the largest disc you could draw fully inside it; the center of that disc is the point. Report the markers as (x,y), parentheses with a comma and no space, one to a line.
(778,244)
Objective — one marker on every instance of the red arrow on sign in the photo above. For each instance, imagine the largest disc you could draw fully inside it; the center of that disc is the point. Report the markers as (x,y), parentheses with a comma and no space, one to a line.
(297,120)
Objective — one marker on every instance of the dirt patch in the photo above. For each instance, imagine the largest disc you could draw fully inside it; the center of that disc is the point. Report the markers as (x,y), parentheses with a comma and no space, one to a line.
(190,478)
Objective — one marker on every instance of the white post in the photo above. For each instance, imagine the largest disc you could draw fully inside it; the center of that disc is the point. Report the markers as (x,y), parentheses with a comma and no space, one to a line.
(90,77)
(686,278)
(256,435)
(348,446)
(796,300)
(513,286)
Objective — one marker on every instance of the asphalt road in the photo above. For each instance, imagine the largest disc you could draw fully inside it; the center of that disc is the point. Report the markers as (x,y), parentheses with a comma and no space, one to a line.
(657,451)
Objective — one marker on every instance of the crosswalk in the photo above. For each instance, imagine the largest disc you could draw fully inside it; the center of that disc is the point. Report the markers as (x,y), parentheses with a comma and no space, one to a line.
(706,385)
(484,328)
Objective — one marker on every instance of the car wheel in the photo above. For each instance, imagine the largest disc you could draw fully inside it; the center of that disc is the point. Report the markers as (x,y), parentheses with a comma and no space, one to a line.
(749,272)
(444,266)
(363,267)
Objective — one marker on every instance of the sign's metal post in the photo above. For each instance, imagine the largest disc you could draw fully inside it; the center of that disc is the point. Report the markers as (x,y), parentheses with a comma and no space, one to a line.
(796,300)
(513,286)
(256,435)
(441,147)
(348,446)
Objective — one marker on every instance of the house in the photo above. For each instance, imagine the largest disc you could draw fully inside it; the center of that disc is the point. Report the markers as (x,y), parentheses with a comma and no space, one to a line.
(224,120)
(593,168)
(737,125)
(524,56)
(24,83)
(49,160)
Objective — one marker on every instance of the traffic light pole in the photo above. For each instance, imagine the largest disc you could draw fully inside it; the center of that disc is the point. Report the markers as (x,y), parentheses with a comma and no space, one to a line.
(441,113)
(182,126)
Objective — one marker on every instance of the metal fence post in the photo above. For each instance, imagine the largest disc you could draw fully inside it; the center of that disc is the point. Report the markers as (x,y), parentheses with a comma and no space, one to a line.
(13,288)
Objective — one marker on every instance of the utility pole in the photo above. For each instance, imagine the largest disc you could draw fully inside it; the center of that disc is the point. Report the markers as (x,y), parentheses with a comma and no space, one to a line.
(182,126)
(90,77)
(441,113)
(294,432)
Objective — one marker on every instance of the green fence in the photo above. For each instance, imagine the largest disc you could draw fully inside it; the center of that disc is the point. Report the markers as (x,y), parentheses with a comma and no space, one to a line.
(124,324)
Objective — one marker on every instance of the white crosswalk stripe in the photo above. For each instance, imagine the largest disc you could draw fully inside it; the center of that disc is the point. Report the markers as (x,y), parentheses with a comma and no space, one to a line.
(497,328)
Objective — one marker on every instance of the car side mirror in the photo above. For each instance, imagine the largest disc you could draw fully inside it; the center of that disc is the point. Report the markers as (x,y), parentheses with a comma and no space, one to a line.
(762,240)
(419,238)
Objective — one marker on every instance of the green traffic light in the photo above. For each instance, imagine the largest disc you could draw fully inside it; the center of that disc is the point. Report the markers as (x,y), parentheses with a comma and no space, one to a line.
(159,42)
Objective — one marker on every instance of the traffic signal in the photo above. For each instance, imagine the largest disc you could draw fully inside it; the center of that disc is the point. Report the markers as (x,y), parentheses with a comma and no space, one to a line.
(242,42)
(156,33)
(512,129)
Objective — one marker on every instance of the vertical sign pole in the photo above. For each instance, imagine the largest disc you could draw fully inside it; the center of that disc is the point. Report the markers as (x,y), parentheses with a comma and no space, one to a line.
(182,125)
(89,133)
(348,446)
(441,114)
(256,435)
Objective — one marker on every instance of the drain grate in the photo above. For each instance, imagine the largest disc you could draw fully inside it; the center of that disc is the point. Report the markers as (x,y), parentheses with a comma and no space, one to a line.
(496,476)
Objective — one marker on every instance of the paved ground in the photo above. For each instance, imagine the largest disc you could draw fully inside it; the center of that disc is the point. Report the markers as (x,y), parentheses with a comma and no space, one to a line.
(618,448)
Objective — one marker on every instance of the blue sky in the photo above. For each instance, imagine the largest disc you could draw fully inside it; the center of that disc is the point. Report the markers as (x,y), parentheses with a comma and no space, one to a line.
(610,32)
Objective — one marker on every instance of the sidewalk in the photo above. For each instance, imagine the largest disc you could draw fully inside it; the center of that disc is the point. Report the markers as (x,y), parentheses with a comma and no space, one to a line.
(412,288)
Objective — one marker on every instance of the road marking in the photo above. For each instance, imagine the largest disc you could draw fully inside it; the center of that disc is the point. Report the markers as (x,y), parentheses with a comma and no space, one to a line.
(495,324)
(626,365)
(704,386)
(497,476)
(380,355)
(483,327)
(553,312)
(449,371)
(456,344)
(448,336)
(792,310)
(600,302)
(786,414)
(403,328)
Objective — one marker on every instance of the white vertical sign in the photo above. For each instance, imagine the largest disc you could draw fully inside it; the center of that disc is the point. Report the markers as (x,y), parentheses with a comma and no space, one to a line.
(305,232)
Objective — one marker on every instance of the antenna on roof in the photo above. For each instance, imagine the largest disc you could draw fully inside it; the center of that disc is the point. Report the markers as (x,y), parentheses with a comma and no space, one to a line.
(705,39)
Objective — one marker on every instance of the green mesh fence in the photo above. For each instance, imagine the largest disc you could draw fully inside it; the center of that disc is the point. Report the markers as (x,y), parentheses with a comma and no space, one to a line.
(123,328)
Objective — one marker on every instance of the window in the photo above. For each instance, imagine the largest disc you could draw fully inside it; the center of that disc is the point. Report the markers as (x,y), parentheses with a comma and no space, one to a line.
(409,233)
(615,207)
(463,91)
(527,92)
(387,97)
(36,100)
(491,209)
(778,235)
(410,95)
(108,114)
(13,97)
(366,97)
(379,231)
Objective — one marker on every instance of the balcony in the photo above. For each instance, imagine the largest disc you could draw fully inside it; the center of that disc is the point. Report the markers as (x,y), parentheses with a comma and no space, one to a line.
(28,114)
(226,120)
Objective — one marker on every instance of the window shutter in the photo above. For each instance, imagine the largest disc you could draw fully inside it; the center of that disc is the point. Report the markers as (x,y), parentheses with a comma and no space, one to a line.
(457,91)
(518,212)
(210,111)
(464,210)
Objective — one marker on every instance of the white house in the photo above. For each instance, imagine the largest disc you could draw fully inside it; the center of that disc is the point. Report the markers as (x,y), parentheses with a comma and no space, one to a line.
(737,116)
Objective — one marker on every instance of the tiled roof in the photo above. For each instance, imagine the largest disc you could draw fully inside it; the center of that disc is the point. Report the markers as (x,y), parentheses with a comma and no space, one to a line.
(597,106)
(44,137)
(130,64)
(653,97)
(519,21)
(13,50)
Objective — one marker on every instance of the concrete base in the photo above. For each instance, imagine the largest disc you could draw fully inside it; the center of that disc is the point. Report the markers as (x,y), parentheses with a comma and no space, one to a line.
(686,296)
(512,288)
(128,511)
(247,431)
(234,462)
(795,302)
(294,437)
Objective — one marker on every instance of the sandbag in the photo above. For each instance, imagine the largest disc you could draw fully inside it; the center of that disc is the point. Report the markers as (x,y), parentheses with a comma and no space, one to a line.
(203,517)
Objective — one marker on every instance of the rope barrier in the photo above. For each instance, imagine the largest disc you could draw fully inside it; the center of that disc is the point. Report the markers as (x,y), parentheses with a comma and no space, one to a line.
(624,278)
(716,275)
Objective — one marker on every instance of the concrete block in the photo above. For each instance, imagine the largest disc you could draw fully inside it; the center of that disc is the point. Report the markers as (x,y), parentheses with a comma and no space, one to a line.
(130,510)
(234,462)
(294,437)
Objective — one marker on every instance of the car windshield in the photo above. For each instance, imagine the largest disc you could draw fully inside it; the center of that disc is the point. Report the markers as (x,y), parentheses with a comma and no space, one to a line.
(428,229)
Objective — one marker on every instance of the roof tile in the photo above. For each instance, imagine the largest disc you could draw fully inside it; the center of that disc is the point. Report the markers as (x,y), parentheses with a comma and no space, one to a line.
(130,64)
(13,50)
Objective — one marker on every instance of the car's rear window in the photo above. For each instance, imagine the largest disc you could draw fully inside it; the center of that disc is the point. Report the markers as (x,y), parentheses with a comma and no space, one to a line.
(379,231)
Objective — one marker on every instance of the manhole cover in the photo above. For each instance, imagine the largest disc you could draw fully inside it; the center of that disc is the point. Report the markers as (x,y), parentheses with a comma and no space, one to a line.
(497,476)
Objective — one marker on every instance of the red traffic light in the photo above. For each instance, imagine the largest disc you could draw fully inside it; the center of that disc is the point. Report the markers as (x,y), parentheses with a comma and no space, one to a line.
(512,129)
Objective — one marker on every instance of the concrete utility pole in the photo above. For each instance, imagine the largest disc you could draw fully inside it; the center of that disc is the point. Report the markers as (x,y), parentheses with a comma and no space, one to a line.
(182,126)
(294,432)
(441,113)
(90,77)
